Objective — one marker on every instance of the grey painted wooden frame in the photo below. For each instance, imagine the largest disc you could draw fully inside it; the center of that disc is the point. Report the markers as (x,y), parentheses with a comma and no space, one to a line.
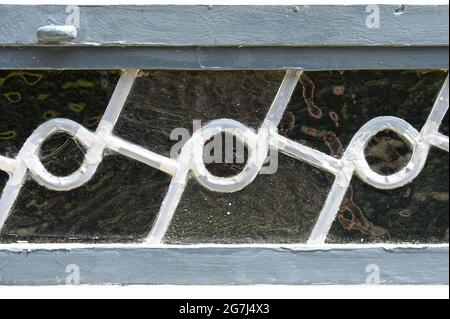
(219,265)
(223,58)
(228,37)
(214,38)
(160,25)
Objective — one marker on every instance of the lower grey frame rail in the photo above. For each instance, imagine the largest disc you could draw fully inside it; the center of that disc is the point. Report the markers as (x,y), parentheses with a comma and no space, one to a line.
(218,265)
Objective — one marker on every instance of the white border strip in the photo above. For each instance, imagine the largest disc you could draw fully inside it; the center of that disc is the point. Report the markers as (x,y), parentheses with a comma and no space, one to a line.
(223,2)
(227,292)
(293,247)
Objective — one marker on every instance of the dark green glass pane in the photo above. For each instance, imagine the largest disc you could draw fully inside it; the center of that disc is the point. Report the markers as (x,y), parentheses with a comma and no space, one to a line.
(62,154)
(444,125)
(387,153)
(328,108)
(118,205)
(161,101)
(326,111)
(30,98)
(122,200)
(276,208)
(415,213)
(3,179)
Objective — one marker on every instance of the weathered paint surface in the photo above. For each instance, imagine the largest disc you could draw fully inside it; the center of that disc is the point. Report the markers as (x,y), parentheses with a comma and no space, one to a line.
(232,25)
(223,58)
(220,265)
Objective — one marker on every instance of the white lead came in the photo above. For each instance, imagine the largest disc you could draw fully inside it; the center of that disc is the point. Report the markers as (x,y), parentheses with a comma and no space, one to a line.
(191,157)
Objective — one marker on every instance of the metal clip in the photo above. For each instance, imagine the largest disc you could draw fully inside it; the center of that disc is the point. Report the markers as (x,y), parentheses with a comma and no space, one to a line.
(56,33)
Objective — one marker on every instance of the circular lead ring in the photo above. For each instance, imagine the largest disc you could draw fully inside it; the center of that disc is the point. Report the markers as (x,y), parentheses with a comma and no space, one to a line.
(406,132)
(243,134)
(82,175)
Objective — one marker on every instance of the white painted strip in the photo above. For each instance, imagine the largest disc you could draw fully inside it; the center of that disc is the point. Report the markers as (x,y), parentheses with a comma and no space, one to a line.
(166,211)
(146,245)
(329,212)
(193,292)
(10,193)
(117,102)
(138,153)
(224,2)
(438,140)
(307,154)
(7,164)
(281,100)
(440,108)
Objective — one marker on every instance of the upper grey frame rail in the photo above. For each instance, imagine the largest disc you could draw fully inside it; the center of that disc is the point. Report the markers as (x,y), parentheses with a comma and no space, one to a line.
(228,37)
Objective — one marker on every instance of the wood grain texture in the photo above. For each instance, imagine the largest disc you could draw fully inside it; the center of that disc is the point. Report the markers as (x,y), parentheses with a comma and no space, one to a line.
(160,25)
(218,265)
